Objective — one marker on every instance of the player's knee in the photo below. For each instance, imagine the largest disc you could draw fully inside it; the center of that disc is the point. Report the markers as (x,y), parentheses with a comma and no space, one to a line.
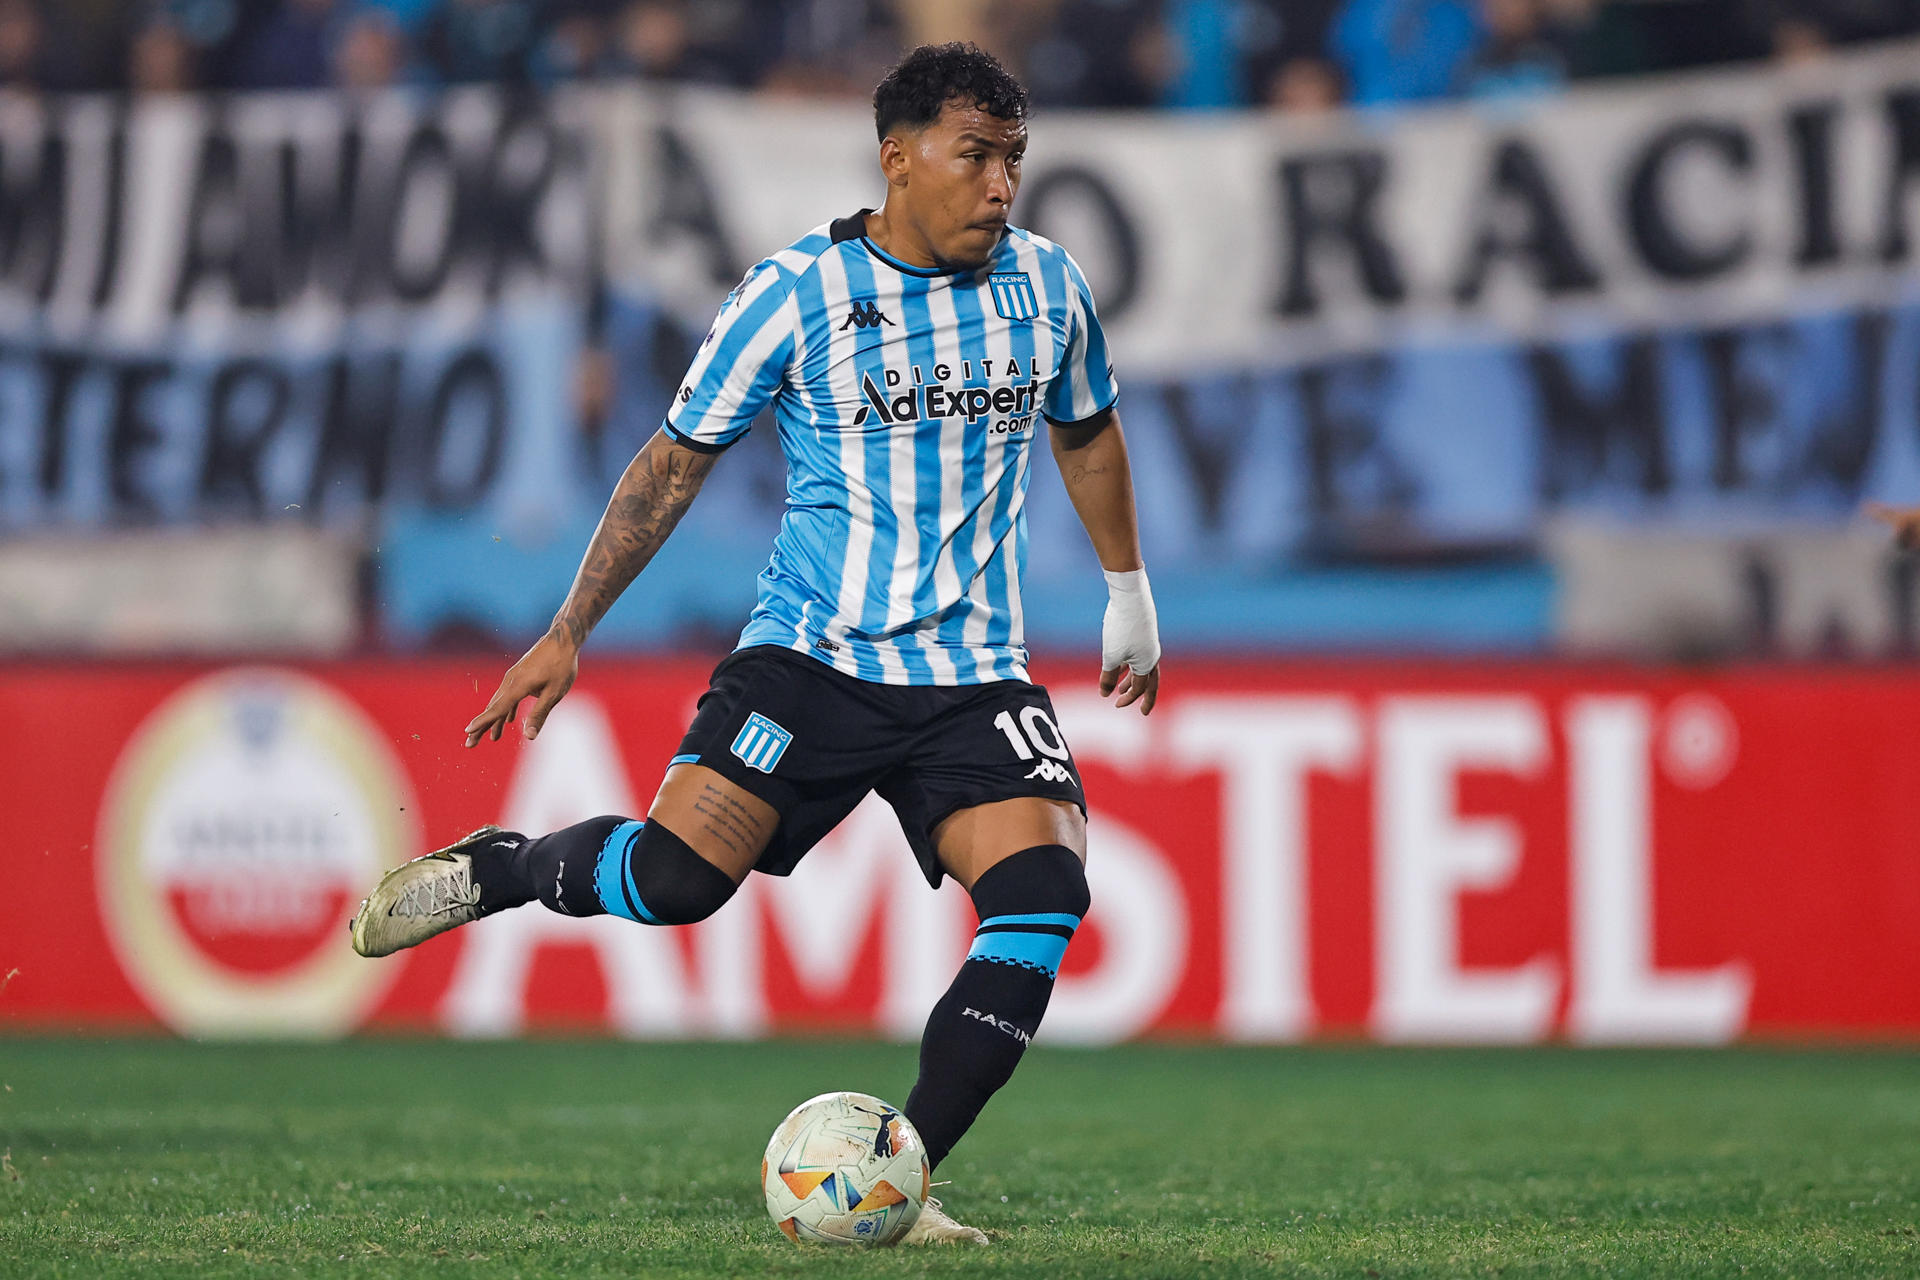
(671,883)
(1047,879)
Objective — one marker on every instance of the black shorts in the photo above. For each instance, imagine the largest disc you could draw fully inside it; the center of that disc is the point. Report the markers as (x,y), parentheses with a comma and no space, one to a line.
(812,742)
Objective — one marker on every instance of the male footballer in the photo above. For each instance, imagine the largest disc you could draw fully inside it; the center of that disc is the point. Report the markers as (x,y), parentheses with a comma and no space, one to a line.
(910,356)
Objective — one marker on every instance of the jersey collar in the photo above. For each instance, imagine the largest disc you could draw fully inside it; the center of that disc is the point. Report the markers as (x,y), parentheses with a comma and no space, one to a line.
(855,228)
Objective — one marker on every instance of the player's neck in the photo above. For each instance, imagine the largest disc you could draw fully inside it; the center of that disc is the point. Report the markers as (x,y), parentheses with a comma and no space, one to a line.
(894,238)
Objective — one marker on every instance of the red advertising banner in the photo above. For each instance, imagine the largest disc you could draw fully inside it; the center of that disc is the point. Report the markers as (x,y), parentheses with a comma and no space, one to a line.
(1499,854)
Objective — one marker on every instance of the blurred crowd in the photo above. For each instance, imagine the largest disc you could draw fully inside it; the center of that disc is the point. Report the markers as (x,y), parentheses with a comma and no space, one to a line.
(1195,54)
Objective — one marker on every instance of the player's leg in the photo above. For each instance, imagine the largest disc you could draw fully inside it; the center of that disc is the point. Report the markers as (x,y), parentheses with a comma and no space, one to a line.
(716,813)
(991,797)
(646,871)
(1023,862)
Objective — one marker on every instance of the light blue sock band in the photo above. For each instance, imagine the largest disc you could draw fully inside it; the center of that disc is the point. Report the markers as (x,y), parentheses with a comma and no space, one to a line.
(613,875)
(1032,941)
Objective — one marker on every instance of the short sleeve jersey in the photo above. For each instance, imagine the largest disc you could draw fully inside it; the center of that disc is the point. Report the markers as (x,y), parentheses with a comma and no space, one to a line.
(907,401)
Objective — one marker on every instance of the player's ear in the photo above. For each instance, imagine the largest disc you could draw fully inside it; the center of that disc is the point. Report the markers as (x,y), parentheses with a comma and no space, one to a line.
(893,161)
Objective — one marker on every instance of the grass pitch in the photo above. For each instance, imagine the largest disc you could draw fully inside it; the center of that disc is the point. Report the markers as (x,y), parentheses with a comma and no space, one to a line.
(385,1158)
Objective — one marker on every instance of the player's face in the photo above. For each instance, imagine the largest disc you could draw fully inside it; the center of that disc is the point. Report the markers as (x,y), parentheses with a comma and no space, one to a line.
(962,173)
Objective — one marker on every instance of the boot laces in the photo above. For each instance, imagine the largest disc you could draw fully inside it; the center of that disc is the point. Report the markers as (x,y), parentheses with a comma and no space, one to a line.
(440,894)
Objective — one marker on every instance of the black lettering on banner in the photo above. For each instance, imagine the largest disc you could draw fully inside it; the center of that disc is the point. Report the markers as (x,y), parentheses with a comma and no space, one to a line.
(1903,116)
(1333,199)
(1746,406)
(1594,439)
(688,207)
(59,373)
(309,238)
(1353,473)
(132,436)
(1660,243)
(360,403)
(425,205)
(1843,442)
(519,171)
(1073,186)
(1210,431)
(466,430)
(1519,181)
(113,216)
(33,217)
(211,235)
(246,405)
(1810,132)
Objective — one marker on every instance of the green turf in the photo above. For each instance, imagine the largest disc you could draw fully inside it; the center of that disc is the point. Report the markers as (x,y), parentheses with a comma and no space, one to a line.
(599,1159)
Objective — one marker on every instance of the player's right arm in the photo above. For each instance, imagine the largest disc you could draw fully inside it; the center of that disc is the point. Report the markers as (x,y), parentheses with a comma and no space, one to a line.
(658,487)
(735,375)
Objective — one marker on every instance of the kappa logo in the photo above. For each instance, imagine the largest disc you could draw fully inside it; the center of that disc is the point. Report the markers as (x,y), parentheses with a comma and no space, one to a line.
(1051,771)
(866,314)
(761,743)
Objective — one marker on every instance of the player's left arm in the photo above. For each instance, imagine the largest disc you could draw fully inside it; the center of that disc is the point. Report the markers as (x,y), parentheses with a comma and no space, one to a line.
(1093,463)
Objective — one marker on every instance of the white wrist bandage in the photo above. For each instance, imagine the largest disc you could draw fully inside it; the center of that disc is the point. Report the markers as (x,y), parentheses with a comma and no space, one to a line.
(1130,633)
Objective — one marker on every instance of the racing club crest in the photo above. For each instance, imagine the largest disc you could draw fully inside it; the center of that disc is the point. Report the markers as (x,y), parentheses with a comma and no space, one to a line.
(1013,295)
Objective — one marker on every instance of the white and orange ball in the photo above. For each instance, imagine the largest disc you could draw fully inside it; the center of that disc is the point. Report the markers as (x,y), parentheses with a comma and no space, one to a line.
(845,1168)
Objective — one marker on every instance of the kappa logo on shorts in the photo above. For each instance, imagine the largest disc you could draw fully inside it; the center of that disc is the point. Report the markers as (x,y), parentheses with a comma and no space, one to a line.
(1050,771)
(761,743)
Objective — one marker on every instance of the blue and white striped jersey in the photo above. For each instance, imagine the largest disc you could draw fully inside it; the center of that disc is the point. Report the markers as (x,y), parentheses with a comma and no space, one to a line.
(907,401)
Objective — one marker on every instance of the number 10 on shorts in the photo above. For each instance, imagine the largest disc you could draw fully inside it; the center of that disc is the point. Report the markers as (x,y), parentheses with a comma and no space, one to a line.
(1034,732)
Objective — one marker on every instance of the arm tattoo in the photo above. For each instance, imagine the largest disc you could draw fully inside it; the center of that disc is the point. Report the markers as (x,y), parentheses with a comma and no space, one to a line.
(1080,472)
(728,821)
(659,485)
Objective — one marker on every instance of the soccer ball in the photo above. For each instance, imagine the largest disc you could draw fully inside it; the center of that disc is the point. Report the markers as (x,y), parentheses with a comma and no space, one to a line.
(845,1168)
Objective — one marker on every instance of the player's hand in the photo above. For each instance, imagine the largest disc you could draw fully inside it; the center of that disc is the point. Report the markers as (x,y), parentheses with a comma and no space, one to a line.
(1904,521)
(1133,686)
(544,674)
(1130,641)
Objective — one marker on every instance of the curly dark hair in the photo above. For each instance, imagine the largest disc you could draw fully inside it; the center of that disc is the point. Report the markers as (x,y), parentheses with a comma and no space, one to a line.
(933,75)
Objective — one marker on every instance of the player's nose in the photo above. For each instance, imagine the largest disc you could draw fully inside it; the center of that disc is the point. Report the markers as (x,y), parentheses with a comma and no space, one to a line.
(999,184)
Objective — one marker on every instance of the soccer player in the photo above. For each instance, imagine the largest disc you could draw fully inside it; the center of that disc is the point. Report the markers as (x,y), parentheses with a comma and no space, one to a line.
(910,357)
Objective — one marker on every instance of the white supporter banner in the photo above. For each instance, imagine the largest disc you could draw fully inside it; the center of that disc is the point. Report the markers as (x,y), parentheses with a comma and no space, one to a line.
(1250,240)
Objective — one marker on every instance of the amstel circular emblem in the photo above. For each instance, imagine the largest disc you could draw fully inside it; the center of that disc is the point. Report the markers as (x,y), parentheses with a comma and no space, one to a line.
(244,819)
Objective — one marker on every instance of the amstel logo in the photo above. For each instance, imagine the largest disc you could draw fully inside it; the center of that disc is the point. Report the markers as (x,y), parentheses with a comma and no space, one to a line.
(244,819)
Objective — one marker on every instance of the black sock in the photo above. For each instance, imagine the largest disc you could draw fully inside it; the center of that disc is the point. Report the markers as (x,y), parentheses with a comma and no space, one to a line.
(556,870)
(659,878)
(1029,906)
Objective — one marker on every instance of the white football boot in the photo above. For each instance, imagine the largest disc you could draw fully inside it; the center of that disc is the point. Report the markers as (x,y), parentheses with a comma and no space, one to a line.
(419,899)
(935,1227)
